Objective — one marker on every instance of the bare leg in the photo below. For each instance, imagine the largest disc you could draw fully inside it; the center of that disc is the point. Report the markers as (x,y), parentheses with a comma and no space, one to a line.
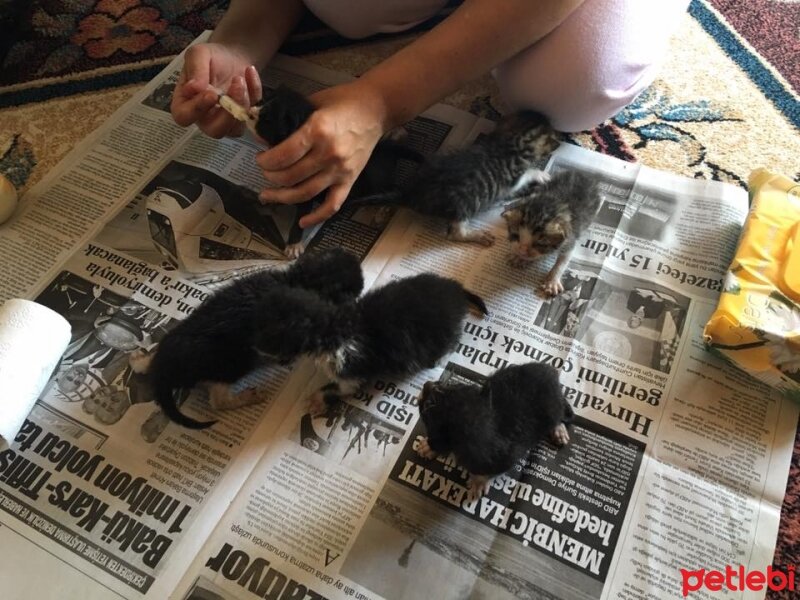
(559,436)
(425,451)
(459,231)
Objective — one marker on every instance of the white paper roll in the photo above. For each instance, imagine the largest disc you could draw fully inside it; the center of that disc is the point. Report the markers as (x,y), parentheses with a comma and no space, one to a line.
(32,340)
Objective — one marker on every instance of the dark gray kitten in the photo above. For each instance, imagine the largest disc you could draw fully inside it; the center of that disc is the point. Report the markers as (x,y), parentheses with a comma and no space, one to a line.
(549,217)
(459,185)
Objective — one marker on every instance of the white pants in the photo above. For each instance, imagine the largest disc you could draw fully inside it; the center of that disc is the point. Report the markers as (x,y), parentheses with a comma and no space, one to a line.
(580,74)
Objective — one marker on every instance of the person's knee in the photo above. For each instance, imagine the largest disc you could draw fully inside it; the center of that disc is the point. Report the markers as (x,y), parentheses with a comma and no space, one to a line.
(593,65)
(576,104)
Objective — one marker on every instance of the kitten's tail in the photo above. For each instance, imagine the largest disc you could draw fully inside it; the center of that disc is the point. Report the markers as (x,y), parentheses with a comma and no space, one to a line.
(477,302)
(165,398)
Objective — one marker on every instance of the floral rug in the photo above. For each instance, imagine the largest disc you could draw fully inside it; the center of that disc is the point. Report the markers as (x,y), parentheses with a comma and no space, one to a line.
(726,100)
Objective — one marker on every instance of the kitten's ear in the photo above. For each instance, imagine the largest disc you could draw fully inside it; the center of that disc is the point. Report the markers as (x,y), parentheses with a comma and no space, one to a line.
(513,216)
(559,229)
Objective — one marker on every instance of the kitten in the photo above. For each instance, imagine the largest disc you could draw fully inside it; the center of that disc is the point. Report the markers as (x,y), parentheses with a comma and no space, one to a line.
(490,427)
(551,217)
(265,317)
(459,185)
(397,330)
(282,112)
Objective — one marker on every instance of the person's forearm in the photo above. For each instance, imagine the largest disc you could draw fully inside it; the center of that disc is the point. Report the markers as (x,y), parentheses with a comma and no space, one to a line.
(258,27)
(478,36)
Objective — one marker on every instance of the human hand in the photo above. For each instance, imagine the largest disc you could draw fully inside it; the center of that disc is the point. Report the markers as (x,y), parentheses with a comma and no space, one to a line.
(209,67)
(328,152)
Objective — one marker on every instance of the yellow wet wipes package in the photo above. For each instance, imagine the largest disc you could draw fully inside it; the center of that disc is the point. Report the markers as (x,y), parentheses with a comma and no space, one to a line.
(757,322)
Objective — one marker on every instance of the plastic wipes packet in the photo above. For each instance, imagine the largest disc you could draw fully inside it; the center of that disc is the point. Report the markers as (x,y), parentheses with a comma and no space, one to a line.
(757,322)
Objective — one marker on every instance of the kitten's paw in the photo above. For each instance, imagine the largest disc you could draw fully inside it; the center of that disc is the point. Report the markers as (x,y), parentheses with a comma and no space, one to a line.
(250,396)
(316,404)
(484,238)
(153,426)
(221,397)
(517,262)
(559,436)
(477,486)
(552,287)
(292,251)
(425,451)
(460,232)
(140,360)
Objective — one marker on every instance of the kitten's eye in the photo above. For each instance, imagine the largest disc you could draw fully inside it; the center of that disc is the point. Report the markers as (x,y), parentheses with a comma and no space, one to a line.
(513,236)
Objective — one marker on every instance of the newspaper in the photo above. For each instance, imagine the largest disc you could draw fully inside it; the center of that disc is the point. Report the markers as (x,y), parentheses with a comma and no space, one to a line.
(677,460)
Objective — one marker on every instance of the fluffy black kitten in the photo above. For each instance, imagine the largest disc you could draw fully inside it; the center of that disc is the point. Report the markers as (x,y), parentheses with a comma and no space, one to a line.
(459,185)
(551,217)
(282,111)
(268,316)
(395,330)
(490,427)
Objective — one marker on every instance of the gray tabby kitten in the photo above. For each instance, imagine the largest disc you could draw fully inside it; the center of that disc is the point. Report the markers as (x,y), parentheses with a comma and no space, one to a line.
(459,185)
(551,217)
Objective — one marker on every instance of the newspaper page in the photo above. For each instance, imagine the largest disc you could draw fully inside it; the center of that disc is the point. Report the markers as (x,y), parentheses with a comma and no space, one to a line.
(677,460)
(124,238)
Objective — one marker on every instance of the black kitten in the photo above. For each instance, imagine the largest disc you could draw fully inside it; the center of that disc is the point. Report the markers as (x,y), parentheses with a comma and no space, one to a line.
(490,427)
(283,111)
(398,329)
(551,217)
(268,316)
(459,185)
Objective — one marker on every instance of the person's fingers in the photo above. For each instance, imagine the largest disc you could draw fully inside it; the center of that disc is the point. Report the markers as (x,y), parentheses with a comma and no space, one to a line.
(300,171)
(288,152)
(299,193)
(253,82)
(188,106)
(197,64)
(337,194)
(217,123)
(237,90)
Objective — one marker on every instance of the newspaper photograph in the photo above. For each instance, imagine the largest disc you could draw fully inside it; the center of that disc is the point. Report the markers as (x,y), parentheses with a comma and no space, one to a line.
(675,460)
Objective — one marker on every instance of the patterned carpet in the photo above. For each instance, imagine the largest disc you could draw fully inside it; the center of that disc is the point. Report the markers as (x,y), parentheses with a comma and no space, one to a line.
(726,100)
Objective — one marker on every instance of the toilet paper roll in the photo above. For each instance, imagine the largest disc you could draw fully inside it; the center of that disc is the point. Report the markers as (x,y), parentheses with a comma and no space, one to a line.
(32,340)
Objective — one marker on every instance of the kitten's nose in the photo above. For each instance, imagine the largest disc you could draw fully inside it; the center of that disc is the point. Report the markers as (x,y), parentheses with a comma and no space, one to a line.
(525,251)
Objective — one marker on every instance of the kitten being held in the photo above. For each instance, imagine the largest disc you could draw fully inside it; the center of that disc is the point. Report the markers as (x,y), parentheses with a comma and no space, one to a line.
(283,111)
(490,427)
(551,217)
(459,185)
(266,317)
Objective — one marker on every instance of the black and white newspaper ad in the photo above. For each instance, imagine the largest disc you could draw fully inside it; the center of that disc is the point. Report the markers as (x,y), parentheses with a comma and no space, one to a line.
(674,471)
